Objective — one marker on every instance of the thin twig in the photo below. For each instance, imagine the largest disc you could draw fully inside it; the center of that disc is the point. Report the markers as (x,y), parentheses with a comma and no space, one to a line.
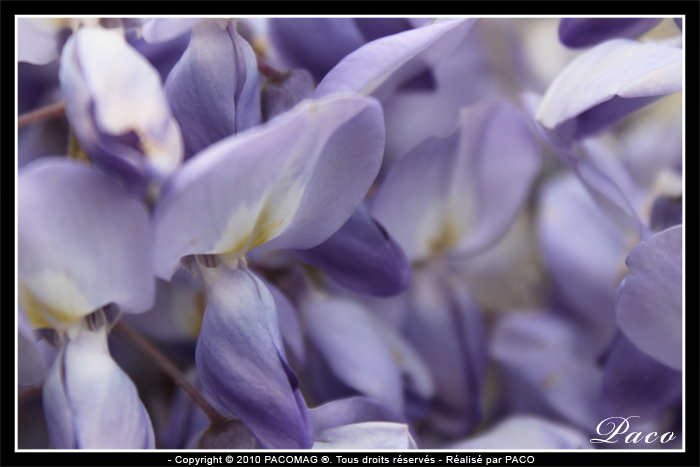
(140,342)
(50,111)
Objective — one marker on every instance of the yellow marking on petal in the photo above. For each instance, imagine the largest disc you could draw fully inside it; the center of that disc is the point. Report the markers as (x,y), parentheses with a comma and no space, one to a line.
(32,309)
(268,218)
(631,241)
(75,150)
(40,315)
(239,228)
(267,228)
(237,248)
(195,319)
(260,46)
(164,155)
(55,299)
(448,236)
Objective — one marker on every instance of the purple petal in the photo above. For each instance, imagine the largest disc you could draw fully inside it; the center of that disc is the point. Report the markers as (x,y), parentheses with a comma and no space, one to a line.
(527,432)
(473,182)
(37,85)
(417,378)
(165,29)
(242,363)
(412,213)
(83,243)
(374,28)
(345,333)
(653,142)
(57,410)
(611,186)
(584,251)
(323,385)
(34,356)
(649,302)
(290,325)
(620,74)
(214,90)
(636,384)
(666,213)
(584,32)
(412,117)
(343,172)
(107,411)
(232,435)
(162,55)
(38,40)
(316,44)
(276,98)
(290,183)
(541,352)
(349,411)
(609,197)
(445,327)
(602,116)
(391,60)
(46,138)
(369,435)
(117,108)
(90,402)
(507,164)
(423,82)
(362,257)
(605,178)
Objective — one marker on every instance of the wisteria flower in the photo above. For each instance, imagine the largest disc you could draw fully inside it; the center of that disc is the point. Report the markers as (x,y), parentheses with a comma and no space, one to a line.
(350,233)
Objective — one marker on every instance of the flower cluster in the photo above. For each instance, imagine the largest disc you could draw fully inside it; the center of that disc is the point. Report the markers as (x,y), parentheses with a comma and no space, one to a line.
(298,233)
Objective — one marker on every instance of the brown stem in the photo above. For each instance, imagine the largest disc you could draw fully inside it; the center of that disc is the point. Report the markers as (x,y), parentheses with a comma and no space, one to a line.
(140,342)
(50,111)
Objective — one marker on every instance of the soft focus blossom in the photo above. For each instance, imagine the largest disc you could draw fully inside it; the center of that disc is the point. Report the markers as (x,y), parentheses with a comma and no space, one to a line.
(349,233)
